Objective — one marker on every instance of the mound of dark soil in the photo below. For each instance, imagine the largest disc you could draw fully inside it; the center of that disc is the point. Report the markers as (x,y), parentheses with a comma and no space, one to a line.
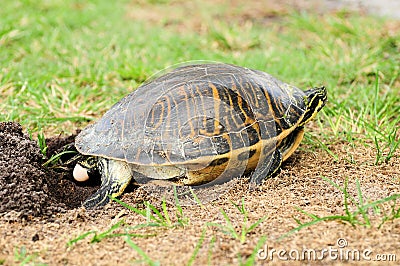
(22,185)
(27,189)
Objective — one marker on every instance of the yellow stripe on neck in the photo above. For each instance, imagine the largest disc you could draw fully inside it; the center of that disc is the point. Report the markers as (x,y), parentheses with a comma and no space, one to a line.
(319,106)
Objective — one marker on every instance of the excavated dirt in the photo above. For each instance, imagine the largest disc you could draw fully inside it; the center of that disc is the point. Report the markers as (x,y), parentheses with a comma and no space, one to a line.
(27,189)
(23,187)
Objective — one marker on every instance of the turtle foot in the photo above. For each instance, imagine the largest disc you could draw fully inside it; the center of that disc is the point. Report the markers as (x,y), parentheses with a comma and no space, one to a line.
(98,199)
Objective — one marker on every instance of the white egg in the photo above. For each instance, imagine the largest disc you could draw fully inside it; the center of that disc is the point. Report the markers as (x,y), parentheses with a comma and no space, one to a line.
(80,174)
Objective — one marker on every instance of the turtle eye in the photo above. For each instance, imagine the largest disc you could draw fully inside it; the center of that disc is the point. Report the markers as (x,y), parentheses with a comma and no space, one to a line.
(90,164)
(92,171)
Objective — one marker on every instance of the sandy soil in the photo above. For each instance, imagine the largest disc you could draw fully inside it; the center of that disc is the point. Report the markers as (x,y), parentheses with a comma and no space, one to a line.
(45,233)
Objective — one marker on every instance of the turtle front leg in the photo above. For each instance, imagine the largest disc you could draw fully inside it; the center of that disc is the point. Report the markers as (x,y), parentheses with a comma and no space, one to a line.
(115,176)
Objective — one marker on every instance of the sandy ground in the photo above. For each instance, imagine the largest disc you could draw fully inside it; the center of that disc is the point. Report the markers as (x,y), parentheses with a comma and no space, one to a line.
(298,185)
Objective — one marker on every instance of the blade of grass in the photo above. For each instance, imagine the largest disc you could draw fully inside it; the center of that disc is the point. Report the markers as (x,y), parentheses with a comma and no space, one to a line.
(251,260)
(197,247)
(210,249)
(145,257)
(166,215)
(350,217)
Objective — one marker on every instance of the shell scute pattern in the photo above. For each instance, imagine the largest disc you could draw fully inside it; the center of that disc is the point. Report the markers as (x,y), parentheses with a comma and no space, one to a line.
(193,112)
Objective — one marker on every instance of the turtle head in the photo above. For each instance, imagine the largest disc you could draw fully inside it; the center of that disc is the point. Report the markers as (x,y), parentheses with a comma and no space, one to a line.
(85,167)
(314,100)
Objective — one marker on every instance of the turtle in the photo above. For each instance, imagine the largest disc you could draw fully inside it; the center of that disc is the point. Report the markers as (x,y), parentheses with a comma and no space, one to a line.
(197,125)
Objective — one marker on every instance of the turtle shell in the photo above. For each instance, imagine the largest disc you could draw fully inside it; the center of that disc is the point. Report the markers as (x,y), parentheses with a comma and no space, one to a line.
(193,113)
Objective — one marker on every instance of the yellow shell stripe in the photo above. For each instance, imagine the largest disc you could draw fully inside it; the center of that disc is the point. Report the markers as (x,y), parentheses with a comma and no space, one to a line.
(188,101)
(217,104)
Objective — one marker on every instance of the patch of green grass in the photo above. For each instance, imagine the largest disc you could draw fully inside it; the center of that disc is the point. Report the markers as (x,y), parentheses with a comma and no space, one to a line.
(153,218)
(197,247)
(145,258)
(370,120)
(42,144)
(22,257)
(358,217)
(362,77)
(251,260)
(54,159)
(230,229)
(148,261)
(120,225)
(210,250)
(379,121)
(152,214)
(159,218)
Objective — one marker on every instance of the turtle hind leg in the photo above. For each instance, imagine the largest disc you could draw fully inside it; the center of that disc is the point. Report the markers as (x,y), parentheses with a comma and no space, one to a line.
(268,167)
(115,176)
